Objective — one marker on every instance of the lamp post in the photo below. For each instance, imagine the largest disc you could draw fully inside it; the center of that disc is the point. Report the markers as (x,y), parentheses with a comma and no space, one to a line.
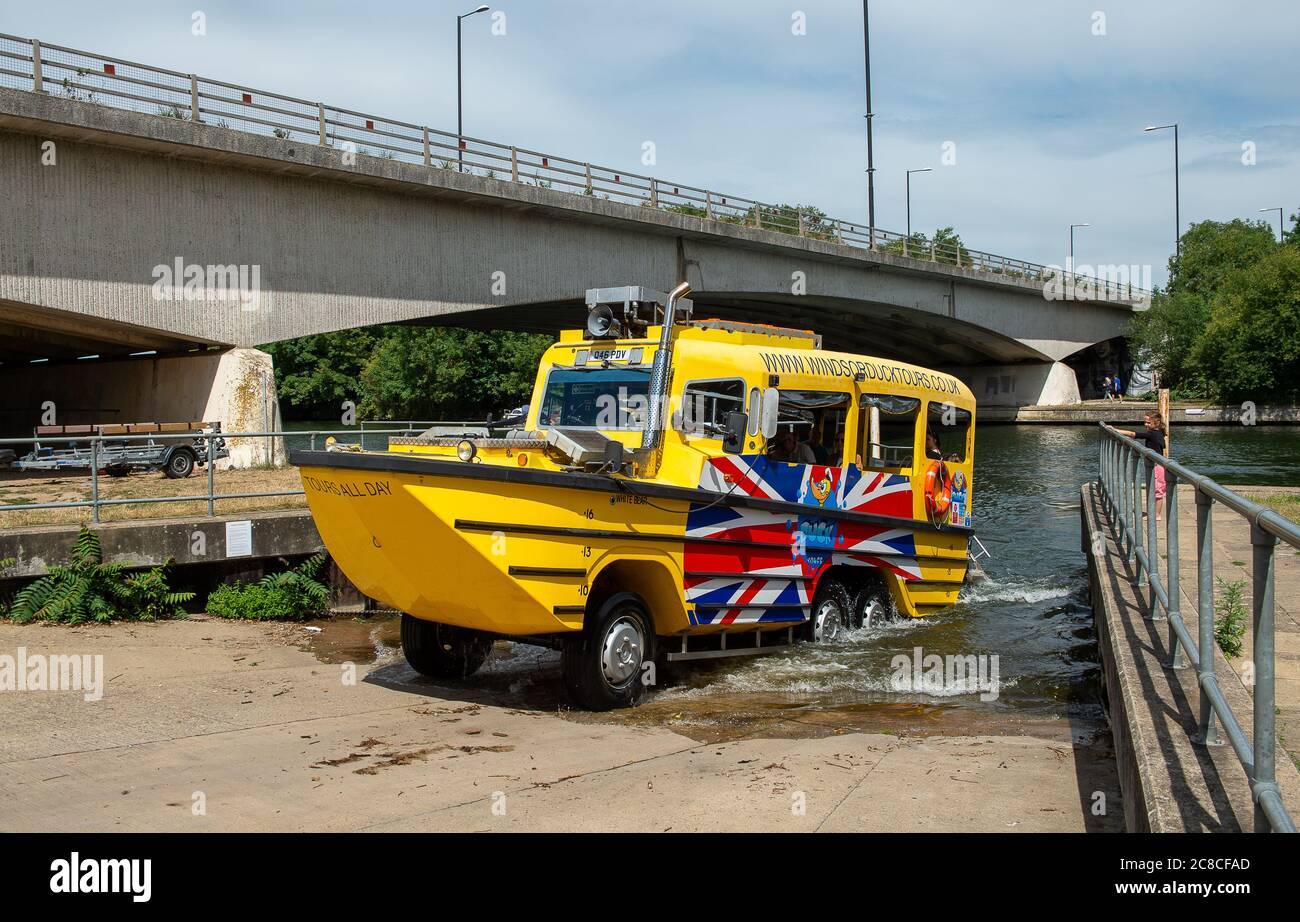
(460,108)
(1281,232)
(927,169)
(1070,267)
(871,163)
(1178,223)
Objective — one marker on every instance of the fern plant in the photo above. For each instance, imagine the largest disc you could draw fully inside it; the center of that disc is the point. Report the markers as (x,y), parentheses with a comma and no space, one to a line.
(293,595)
(87,589)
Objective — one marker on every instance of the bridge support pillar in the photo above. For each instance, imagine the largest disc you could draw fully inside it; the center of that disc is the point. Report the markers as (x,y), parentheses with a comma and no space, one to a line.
(1045,384)
(235,387)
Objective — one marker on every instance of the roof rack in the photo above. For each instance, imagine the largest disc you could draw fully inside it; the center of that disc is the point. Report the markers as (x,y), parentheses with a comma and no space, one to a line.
(763,329)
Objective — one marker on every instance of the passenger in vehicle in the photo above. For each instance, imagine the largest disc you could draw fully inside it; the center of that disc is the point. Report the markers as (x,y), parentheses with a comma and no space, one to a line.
(932,449)
(821,454)
(789,449)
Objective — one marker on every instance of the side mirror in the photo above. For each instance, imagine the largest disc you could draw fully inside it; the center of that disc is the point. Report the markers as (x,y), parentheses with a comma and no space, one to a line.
(733,443)
(771,401)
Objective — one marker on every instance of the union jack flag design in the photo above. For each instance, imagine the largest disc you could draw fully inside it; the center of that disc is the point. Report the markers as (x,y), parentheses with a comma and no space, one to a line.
(748,565)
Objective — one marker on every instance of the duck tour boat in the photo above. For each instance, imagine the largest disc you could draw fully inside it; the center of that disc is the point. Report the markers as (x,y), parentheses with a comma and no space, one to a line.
(682,489)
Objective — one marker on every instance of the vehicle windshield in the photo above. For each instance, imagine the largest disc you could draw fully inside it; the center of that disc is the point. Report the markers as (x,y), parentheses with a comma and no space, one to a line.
(602,398)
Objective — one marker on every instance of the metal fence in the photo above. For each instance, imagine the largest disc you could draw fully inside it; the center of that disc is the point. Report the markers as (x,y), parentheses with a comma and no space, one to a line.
(34,65)
(1127,467)
(96,444)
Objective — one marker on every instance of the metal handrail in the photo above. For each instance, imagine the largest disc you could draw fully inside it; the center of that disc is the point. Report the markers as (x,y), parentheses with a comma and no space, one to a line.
(96,442)
(87,75)
(1126,467)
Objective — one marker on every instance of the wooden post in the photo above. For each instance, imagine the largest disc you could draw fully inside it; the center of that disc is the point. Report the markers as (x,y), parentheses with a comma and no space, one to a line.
(1164,416)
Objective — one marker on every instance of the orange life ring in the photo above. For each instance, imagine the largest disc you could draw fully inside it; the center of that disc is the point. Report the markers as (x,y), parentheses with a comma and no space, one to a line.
(938,489)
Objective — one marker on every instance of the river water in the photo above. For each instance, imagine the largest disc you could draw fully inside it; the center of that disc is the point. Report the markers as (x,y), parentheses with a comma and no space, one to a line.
(1032,614)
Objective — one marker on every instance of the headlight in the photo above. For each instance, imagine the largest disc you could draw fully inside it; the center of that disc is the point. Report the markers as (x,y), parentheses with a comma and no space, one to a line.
(466,450)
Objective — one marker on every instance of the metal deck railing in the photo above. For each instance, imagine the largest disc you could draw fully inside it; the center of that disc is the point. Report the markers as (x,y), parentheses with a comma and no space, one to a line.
(1127,467)
(96,503)
(33,65)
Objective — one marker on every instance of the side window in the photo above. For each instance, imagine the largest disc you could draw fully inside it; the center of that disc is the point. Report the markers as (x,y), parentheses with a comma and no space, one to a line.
(888,427)
(810,428)
(705,405)
(951,427)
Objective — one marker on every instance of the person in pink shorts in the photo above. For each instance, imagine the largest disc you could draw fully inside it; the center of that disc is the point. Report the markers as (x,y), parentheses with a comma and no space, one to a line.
(1153,437)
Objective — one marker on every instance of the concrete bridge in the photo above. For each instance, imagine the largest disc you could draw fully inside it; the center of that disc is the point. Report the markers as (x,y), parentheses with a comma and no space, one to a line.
(128,232)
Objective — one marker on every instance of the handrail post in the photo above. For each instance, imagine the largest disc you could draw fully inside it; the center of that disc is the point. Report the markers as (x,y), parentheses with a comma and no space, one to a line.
(194,99)
(1152,540)
(1172,590)
(211,478)
(1207,732)
(94,478)
(38,81)
(514,164)
(591,187)
(428,154)
(320,114)
(654,193)
(802,226)
(1265,730)
(708,205)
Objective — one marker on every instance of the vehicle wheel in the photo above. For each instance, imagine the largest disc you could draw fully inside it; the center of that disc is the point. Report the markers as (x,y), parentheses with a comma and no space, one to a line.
(602,665)
(443,651)
(872,605)
(180,465)
(830,612)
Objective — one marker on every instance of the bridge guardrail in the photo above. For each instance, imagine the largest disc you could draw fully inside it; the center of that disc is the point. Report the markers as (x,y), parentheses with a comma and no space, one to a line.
(89,77)
(96,443)
(1126,468)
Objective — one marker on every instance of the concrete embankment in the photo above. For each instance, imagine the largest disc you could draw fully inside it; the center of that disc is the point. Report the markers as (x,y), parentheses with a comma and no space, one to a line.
(1132,411)
(1170,783)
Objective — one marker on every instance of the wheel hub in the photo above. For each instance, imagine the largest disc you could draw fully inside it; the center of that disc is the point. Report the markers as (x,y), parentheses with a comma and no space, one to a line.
(828,622)
(873,613)
(620,656)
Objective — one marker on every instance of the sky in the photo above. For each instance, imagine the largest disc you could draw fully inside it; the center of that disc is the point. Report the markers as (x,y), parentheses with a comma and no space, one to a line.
(1030,112)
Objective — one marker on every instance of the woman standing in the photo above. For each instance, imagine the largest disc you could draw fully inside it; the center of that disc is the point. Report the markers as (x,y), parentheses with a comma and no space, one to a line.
(1153,437)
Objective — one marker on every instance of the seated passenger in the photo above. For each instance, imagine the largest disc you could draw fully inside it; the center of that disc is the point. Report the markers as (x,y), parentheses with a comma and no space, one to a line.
(820,453)
(786,448)
(932,449)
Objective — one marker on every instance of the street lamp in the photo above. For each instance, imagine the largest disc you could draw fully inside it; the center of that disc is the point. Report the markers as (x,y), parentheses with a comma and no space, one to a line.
(1178,223)
(909,204)
(460,109)
(871,163)
(1070,268)
(1281,234)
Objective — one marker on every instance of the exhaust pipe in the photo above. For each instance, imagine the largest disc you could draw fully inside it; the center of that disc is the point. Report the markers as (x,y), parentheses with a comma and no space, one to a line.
(653,435)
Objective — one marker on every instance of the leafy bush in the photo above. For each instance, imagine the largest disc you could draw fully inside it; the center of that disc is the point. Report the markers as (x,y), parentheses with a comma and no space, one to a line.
(1230,617)
(294,595)
(88,589)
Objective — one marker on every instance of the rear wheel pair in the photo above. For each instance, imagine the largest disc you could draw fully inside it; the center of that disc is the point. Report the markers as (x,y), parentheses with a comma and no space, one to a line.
(841,606)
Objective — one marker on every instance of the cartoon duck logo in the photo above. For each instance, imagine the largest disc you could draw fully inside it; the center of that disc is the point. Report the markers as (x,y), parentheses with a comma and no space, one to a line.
(821,489)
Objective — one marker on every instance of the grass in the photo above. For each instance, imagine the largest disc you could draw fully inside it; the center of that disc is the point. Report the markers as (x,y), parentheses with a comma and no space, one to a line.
(18,487)
(1230,617)
(1285,504)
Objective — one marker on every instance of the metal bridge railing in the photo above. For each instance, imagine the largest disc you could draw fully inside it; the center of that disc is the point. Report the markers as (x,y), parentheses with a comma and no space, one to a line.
(1127,467)
(96,445)
(89,77)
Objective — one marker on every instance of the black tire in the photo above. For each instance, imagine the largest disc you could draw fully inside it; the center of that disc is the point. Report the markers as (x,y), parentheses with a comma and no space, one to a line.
(872,603)
(829,617)
(180,464)
(603,664)
(443,651)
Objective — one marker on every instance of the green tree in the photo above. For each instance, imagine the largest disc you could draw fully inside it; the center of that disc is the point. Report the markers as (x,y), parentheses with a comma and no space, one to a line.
(444,373)
(1251,345)
(1171,335)
(315,374)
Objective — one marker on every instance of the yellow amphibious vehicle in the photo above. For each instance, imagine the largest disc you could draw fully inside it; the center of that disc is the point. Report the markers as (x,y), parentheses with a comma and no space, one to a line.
(681,489)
